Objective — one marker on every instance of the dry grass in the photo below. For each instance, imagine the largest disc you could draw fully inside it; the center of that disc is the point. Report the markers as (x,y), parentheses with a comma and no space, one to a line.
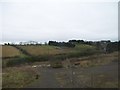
(9,51)
(43,50)
(96,60)
(53,50)
(102,80)
(18,77)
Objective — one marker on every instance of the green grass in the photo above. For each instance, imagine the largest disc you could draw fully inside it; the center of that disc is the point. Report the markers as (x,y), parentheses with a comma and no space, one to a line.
(54,50)
(9,51)
(48,53)
(18,77)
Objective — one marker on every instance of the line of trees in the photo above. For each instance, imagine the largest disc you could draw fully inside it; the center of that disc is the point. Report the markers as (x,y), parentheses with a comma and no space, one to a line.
(105,45)
(24,43)
(113,46)
(61,44)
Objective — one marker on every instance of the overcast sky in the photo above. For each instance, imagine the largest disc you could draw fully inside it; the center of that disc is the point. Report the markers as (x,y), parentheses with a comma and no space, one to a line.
(59,20)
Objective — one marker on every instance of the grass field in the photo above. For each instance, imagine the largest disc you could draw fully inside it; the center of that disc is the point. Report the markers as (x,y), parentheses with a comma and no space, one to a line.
(44,53)
(96,60)
(18,77)
(9,51)
(21,75)
(53,50)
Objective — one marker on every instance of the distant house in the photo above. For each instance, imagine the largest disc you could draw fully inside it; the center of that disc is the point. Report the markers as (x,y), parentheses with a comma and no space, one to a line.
(29,43)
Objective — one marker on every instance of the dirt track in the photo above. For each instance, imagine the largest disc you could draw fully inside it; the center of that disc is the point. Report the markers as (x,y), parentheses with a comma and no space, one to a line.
(74,77)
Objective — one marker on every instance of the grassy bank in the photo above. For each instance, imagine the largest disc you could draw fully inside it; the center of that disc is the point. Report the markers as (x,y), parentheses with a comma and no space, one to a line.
(18,77)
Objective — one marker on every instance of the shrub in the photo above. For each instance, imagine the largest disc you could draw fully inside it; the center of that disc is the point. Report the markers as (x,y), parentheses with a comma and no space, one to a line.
(56,64)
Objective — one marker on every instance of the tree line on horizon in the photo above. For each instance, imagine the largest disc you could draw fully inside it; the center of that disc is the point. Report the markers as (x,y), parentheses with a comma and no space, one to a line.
(106,45)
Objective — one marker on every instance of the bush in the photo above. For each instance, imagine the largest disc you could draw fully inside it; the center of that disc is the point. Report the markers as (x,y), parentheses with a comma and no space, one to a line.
(61,44)
(23,60)
(56,64)
(17,61)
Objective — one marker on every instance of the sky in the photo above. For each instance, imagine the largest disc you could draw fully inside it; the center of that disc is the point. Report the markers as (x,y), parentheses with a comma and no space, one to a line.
(60,20)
